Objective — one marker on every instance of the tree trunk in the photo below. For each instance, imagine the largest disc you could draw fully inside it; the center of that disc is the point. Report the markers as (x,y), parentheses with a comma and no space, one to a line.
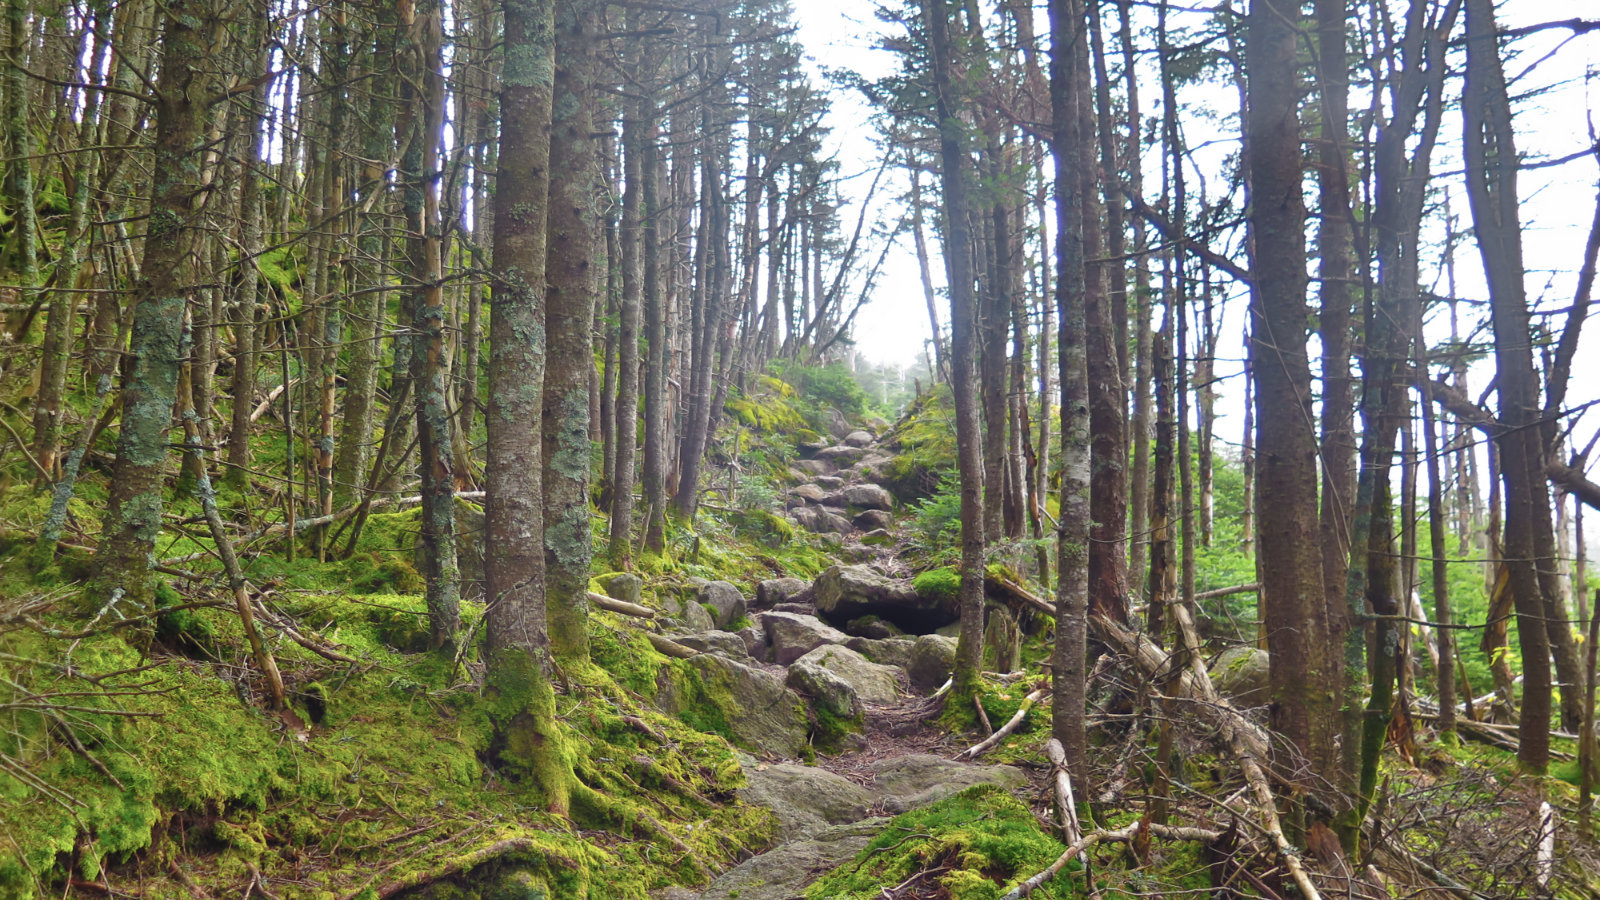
(1491,189)
(963,350)
(150,380)
(569,314)
(514,558)
(1290,554)
(422,99)
(1068,95)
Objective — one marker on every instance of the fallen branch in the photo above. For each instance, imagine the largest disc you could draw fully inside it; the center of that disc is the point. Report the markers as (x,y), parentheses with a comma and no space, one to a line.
(990,742)
(1065,802)
(622,607)
(1011,590)
(1250,588)
(669,647)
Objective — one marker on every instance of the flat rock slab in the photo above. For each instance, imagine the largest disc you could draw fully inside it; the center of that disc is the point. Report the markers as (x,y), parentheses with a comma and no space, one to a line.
(806,799)
(784,873)
(844,593)
(918,779)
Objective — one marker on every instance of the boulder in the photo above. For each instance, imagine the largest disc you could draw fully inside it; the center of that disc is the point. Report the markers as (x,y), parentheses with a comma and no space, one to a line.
(784,873)
(810,448)
(829,482)
(725,599)
(834,500)
(1241,674)
(810,493)
(850,592)
(829,692)
(868,496)
(695,618)
(933,658)
(806,799)
(874,519)
(792,636)
(840,454)
(779,590)
(873,683)
(894,651)
(875,465)
(816,467)
(858,438)
(871,627)
(624,586)
(837,424)
(751,703)
(856,552)
(820,521)
(877,537)
(918,779)
(723,642)
(755,641)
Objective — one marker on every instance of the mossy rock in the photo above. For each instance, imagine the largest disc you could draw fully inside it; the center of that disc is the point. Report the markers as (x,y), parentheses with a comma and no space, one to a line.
(985,839)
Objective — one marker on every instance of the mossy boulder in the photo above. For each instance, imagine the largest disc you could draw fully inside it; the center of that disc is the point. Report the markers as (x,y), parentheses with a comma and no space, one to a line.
(844,593)
(829,693)
(773,591)
(873,519)
(918,779)
(933,658)
(723,600)
(805,799)
(624,586)
(1243,675)
(873,683)
(747,705)
(783,873)
(973,846)
(894,651)
(859,438)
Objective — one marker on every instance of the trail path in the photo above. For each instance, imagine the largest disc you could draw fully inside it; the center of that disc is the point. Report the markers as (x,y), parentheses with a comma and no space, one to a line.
(899,760)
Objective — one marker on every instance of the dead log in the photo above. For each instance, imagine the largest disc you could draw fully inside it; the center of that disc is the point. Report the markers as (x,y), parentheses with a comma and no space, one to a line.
(621,607)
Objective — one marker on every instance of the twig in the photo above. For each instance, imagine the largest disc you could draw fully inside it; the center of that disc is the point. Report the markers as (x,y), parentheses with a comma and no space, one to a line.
(992,740)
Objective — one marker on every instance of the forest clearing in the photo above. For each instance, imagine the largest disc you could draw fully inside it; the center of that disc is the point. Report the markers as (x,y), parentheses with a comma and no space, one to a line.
(459,449)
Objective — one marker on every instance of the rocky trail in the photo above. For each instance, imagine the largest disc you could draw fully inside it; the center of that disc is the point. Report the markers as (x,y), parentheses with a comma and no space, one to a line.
(844,668)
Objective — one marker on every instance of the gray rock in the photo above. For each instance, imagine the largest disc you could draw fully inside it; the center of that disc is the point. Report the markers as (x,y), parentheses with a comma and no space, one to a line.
(951,631)
(761,713)
(877,537)
(858,438)
(894,651)
(1242,675)
(796,607)
(933,658)
(918,779)
(722,642)
(820,521)
(792,636)
(874,518)
(725,599)
(841,454)
(622,586)
(696,618)
(810,493)
(784,873)
(828,690)
(806,799)
(779,590)
(873,683)
(816,467)
(850,592)
(834,500)
(856,552)
(829,482)
(838,425)
(871,627)
(868,496)
(875,465)
(809,448)
(755,641)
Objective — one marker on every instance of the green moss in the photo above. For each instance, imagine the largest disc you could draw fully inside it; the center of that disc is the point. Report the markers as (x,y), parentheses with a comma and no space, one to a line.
(942,584)
(987,838)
